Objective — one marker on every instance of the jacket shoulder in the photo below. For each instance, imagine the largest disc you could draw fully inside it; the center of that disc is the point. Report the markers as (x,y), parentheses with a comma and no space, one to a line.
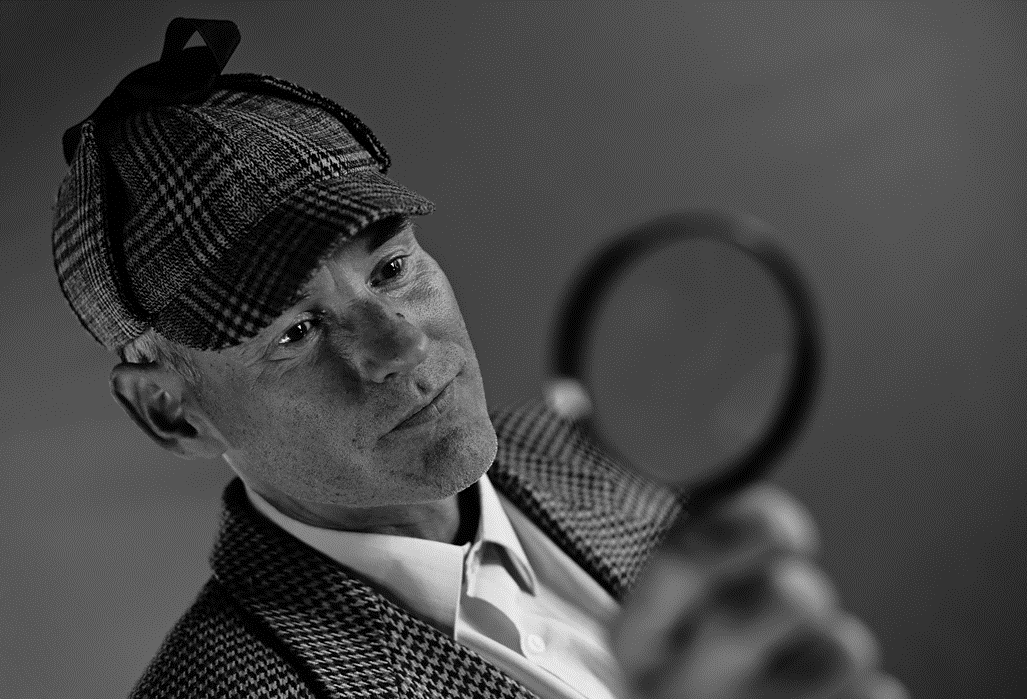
(214,650)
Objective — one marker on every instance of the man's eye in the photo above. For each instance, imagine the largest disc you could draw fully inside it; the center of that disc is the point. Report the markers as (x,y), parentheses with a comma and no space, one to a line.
(394,268)
(298,332)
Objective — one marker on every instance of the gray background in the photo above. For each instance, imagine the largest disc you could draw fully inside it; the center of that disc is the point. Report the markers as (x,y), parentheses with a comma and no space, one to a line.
(885,142)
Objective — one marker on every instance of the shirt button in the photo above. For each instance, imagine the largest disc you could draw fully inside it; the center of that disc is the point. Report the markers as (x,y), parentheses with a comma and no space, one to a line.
(536,644)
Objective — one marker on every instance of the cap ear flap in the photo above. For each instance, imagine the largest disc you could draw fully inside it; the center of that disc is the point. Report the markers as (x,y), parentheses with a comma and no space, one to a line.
(83,256)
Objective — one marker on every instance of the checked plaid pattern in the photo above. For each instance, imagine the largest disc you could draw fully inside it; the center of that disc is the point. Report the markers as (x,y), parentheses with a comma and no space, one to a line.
(203,220)
(278,619)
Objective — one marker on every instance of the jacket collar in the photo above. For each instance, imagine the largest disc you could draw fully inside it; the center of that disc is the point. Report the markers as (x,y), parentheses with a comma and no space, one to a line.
(607,519)
(351,636)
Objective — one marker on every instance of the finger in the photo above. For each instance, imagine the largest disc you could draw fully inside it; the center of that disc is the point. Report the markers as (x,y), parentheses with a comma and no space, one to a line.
(786,587)
(675,592)
(730,649)
(734,543)
(861,649)
(882,687)
(834,660)
(656,615)
(761,515)
(878,686)
(743,578)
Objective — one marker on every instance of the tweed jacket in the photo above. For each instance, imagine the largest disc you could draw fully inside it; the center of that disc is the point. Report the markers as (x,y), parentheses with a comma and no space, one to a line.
(279,619)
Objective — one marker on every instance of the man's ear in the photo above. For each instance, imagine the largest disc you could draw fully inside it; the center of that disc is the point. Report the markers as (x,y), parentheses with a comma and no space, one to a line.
(163,404)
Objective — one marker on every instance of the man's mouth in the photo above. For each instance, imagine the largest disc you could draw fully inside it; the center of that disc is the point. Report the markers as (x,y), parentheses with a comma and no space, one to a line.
(438,405)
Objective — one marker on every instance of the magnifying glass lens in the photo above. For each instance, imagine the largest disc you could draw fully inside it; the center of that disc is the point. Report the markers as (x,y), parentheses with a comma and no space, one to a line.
(689,359)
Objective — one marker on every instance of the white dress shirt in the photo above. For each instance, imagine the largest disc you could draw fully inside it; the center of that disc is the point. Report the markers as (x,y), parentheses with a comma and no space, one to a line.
(512,595)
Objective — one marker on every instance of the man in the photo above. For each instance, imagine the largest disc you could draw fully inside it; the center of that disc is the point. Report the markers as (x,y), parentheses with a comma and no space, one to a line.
(234,238)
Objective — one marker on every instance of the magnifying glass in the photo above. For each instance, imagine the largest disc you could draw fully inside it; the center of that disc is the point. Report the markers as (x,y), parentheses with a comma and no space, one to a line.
(688,348)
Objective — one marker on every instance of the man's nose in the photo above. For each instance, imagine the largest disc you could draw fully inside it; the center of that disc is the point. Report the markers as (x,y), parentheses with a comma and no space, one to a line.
(390,344)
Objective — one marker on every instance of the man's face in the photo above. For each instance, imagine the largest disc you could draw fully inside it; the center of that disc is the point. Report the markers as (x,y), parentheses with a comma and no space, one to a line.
(311,405)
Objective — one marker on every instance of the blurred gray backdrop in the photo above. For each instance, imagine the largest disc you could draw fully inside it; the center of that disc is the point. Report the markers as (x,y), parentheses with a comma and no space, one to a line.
(885,142)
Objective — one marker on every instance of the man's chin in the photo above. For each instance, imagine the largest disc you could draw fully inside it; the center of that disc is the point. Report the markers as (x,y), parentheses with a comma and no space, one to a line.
(460,457)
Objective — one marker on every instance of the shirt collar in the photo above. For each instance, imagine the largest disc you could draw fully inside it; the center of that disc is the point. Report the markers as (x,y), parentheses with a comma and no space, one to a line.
(424,575)
(495,528)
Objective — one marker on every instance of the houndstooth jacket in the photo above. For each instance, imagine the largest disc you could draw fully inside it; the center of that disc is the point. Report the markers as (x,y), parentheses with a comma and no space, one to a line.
(279,619)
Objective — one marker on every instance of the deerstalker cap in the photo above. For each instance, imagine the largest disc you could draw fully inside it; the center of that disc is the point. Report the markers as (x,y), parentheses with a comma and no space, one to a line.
(198,204)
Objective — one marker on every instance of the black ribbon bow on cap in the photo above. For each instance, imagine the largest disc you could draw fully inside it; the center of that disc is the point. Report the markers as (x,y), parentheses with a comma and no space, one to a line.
(182,75)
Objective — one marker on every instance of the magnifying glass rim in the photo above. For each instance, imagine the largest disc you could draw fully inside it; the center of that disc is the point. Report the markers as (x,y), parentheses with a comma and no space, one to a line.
(598,276)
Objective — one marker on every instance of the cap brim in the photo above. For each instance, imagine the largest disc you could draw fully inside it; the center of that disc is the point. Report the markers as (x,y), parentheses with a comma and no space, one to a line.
(262,276)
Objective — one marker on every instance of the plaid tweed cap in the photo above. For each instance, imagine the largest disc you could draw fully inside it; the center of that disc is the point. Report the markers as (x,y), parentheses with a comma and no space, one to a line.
(198,204)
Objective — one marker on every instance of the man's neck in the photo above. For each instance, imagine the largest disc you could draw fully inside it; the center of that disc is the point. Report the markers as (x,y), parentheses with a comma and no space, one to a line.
(469,504)
(453,520)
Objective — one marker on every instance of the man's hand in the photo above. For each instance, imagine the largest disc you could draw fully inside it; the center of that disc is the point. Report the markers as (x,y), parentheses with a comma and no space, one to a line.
(733,607)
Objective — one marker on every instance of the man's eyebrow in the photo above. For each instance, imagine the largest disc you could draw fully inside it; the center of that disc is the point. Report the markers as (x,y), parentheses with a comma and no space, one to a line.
(380,232)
